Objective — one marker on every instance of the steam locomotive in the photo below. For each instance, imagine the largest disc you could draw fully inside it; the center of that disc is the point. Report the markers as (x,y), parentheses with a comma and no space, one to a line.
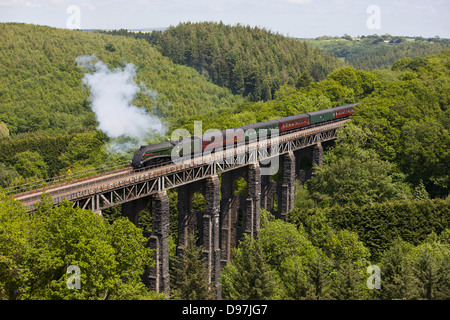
(161,152)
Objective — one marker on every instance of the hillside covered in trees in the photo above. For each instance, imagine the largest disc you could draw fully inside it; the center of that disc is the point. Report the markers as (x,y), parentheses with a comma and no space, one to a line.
(379,52)
(250,61)
(41,85)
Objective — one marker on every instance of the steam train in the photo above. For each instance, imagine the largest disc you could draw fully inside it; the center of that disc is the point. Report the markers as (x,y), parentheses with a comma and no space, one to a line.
(161,152)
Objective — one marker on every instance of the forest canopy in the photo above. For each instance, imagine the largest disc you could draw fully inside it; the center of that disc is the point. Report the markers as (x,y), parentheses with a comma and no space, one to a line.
(379,51)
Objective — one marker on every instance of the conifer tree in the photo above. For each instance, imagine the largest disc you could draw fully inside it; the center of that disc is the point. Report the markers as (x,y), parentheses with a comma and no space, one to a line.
(349,284)
(190,277)
(397,273)
(318,272)
(248,276)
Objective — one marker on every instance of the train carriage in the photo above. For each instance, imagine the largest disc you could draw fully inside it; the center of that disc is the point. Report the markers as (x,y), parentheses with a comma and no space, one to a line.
(294,122)
(320,116)
(343,111)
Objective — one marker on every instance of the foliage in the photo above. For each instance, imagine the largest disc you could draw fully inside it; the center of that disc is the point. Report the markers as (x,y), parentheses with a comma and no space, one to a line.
(379,224)
(357,176)
(84,151)
(371,52)
(304,267)
(30,164)
(249,61)
(37,249)
(190,278)
(280,240)
(420,272)
(407,119)
(248,276)
(7,175)
(37,156)
(49,148)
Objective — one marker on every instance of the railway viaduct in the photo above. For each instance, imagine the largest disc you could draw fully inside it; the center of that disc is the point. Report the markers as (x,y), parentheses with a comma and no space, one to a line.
(226,217)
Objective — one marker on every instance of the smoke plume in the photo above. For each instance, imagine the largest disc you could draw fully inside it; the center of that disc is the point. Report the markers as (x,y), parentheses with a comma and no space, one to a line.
(112,93)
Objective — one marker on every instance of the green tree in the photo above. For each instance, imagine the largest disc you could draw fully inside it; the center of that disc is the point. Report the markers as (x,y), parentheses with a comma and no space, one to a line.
(316,225)
(420,193)
(424,154)
(304,80)
(293,274)
(357,176)
(397,272)
(431,267)
(346,246)
(444,237)
(13,246)
(85,150)
(30,164)
(349,282)
(247,60)
(39,248)
(7,175)
(318,272)
(280,240)
(347,77)
(346,254)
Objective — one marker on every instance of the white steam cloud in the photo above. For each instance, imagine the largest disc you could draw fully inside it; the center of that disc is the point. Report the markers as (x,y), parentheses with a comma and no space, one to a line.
(112,92)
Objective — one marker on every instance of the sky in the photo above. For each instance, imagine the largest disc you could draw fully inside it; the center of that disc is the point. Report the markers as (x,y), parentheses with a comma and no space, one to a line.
(295,18)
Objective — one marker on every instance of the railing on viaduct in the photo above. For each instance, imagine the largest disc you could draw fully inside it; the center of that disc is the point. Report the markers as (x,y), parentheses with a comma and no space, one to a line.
(218,225)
